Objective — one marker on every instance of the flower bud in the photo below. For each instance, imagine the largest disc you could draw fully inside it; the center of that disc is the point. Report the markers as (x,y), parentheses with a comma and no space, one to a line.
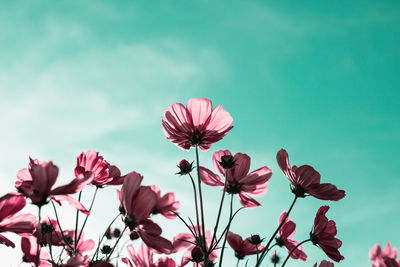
(254,240)
(185,167)
(108,233)
(116,233)
(227,162)
(134,235)
(106,249)
(275,258)
(197,255)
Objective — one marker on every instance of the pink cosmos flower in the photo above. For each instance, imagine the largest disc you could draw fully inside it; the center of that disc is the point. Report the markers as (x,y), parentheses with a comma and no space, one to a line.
(324,264)
(103,172)
(240,181)
(306,180)
(144,258)
(82,245)
(286,234)
(165,205)
(28,247)
(197,124)
(50,233)
(37,181)
(137,203)
(378,257)
(323,235)
(186,241)
(242,247)
(9,222)
(76,261)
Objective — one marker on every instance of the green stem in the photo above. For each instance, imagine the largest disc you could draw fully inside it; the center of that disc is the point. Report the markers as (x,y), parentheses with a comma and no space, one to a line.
(237,263)
(227,231)
(39,236)
(101,240)
(116,243)
(87,216)
(263,253)
(290,253)
(76,224)
(59,226)
(195,201)
(201,208)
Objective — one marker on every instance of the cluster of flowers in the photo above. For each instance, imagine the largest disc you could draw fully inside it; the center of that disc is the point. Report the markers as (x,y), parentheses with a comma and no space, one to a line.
(196,126)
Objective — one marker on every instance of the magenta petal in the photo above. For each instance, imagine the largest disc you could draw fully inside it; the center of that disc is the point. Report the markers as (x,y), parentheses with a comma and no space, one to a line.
(156,242)
(200,111)
(326,192)
(143,204)
(247,201)
(217,158)
(11,204)
(242,167)
(7,242)
(220,121)
(210,178)
(76,185)
(72,201)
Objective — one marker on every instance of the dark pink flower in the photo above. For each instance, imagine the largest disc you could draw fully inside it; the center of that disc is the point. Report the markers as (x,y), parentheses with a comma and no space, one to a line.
(242,247)
(137,203)
(186,241)
(10,222)
(197,124)
(144,258)
(240,181)
(286,233)
(37,182)
(377,256)
(324,264)
(103,172)
(165,205)
(50,233)
(28,247)
(323,235)
(306,180)
(77,261)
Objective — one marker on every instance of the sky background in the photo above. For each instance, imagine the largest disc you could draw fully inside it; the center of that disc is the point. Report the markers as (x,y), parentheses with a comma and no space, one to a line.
(318,78)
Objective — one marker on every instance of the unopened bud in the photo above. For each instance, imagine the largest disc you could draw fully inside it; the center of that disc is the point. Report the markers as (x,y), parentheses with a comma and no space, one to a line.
(197,255)
(254,240)
(106,249)
(116,233)
(134,235)
(185,167)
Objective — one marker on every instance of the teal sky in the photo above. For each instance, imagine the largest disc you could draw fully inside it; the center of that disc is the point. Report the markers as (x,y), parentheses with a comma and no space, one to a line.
(318,78)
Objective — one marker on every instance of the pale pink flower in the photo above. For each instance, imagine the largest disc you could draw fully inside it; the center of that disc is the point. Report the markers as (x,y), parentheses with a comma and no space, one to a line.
(37,182)
(246,185)
(378,257)
(324,264)
(323,235)
(197,124)
(166,205)
(82,245)
(103,172)
(137,203)
(21,224)
(286,233)
(29,249)
(305,180)
(144,258)
(242,247)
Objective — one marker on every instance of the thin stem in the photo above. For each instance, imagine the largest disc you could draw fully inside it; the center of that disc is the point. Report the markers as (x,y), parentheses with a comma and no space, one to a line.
(195,200)
(290,253)
(220,209)
(59,226)
(87,216)
(201,206)
(227,231)
(116,243)
(50,248)
(39,236)
(237,263)
(276,231)
(223,233)
(257,251)
(76,224)
(101,240)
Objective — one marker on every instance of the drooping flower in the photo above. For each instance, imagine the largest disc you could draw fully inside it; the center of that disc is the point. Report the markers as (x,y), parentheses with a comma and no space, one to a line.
(242,247)
(186,242)
(286,233)
(21,224)
(165,205)
(378,257)
(137,203)
(103,172)
(37,182)
(306,180)
(324,264)
(239,181)
(197,124)
(323,235)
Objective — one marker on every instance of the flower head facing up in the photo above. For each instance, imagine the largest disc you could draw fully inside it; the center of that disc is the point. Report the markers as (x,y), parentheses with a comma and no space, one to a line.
(306,180)
(197,124)
(323,235)
(239,181)
(242,247)
(286,233)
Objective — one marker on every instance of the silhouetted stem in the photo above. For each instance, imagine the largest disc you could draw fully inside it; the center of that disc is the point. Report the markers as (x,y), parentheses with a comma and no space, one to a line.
(59,226)
(219,211)
(227,231)
(87,216)
(195,201)
(290,253)
(201,207)
(116,243)
(76,224)
(101,240)
(39,236)
(237,263)
(263,253)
